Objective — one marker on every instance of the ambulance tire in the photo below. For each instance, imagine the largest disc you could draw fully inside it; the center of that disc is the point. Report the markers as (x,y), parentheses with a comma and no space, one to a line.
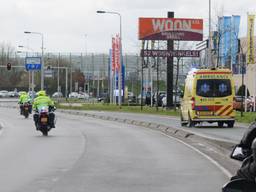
(190,122)
(220,124)
(182,122)
(231,124)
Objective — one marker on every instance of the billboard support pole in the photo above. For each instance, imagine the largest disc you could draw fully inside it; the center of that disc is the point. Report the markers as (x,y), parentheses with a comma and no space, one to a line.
(210,64)
(169,91)
(33,85)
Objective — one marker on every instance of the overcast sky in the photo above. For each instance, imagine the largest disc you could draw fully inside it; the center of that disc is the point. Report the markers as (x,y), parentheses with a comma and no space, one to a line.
(74,25)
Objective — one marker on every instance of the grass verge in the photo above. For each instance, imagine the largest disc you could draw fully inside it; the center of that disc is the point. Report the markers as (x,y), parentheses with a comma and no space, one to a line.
(248,117)
(115,108)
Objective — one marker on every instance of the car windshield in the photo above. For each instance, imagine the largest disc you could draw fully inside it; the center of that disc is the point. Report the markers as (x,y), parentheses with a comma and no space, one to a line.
(213,87)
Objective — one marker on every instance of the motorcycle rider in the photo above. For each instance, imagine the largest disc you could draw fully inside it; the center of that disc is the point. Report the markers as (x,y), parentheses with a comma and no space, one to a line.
(24,98)
(248,144)
(43,100)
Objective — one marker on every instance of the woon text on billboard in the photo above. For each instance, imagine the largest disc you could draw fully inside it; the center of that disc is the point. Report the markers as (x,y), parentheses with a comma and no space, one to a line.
(170,29)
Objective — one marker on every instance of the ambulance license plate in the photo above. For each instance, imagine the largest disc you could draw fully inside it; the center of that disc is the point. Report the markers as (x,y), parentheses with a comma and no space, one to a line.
(205,113)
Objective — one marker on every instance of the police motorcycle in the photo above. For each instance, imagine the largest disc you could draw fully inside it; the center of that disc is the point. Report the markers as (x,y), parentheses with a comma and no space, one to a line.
(239,184)
(42,117)
(26,109)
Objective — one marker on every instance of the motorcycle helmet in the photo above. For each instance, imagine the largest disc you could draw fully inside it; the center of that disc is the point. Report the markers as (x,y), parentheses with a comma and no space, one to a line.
(41,93)
(22,93)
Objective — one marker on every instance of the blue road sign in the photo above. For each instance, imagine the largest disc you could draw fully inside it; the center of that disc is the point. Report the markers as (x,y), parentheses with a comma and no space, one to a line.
(33,63)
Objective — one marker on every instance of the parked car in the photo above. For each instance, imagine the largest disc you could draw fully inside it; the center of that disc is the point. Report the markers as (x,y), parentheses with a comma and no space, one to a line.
(143,98)
(237,103)
(32,94)
(3,93)
(73,95)
(164,100)
(161,95)
(103,97)
(13,94)
(83,96)
(132,99)
(57,95)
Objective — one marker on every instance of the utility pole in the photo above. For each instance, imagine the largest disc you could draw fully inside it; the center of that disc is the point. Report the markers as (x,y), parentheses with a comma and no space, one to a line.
(58,86)
(71,70)
(157,80)
(142,86)
(93,86)
(210,42)
(169,91)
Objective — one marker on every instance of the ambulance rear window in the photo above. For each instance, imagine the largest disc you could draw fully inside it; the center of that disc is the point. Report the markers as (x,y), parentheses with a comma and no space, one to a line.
(213,87)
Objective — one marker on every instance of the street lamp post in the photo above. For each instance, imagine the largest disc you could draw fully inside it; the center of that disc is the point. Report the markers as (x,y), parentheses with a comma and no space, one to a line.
(29,81)
(121,58)
(42,67)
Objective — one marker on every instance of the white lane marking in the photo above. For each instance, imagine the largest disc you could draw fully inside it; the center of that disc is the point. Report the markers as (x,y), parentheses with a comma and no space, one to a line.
(224,170)
(1,128)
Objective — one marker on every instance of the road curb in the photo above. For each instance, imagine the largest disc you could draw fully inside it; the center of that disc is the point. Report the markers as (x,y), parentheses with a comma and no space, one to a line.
(177,132)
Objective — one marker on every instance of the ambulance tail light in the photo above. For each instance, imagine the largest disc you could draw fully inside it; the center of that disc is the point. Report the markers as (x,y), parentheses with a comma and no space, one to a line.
(193,103)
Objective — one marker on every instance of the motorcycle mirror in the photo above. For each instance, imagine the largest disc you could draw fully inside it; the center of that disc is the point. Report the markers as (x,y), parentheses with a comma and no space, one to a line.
(237,153)
(239,185)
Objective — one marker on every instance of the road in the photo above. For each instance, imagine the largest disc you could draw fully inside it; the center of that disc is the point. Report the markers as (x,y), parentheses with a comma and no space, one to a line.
(206,130)
(85,154)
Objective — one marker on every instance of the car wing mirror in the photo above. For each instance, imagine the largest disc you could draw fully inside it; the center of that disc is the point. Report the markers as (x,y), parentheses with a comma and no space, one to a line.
(237,153)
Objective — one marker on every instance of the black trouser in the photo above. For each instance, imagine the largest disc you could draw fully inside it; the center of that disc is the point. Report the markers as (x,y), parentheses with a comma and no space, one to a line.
(21,109)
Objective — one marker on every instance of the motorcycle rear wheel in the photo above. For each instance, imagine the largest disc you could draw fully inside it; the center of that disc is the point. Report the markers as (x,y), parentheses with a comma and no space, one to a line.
(45,132)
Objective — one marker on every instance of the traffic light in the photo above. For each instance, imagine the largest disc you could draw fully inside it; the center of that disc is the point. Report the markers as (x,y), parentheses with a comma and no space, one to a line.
(238,45)
(9,66)
(207,43)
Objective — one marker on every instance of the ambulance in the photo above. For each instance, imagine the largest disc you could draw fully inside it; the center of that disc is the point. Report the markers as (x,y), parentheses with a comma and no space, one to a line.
(208,97)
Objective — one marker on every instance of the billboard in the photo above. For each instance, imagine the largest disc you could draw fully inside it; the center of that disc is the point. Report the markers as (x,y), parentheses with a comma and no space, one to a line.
(170,29)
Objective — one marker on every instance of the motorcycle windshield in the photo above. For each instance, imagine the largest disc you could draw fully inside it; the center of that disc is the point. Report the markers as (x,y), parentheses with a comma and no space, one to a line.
(43,108)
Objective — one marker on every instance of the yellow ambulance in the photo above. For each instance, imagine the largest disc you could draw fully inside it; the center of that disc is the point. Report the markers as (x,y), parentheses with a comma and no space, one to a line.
(208,97)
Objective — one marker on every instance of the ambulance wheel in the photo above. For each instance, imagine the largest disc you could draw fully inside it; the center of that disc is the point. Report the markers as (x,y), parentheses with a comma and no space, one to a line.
(190,122)
(231,124)
(220,124)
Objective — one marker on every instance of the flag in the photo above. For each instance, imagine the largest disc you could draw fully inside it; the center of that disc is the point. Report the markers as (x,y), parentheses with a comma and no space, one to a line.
(250,39)
(113,54)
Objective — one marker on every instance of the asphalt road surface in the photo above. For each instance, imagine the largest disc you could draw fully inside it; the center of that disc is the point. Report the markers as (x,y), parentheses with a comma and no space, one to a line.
(84,154)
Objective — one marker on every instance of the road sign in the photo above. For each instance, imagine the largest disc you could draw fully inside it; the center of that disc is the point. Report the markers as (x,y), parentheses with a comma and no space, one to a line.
(33,63)
(48,73)
(166,53)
